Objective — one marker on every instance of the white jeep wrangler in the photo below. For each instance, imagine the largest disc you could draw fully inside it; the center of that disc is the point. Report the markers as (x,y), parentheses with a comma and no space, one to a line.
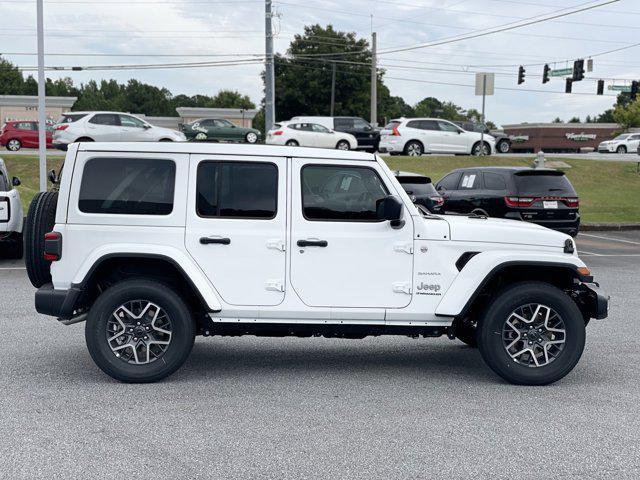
(156,243)
(11,215)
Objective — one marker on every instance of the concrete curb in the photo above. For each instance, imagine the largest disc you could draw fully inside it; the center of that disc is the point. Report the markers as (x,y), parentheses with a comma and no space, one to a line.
(603,227)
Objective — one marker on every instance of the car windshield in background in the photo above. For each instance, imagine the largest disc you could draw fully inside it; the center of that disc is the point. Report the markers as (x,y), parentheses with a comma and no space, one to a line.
(417,186)
(547,183)
(71,117)
(392,125)
(624,136)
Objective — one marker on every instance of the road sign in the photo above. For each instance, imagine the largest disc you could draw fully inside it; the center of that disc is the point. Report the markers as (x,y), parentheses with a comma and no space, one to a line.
(561,72)
(485,83)
(620,88)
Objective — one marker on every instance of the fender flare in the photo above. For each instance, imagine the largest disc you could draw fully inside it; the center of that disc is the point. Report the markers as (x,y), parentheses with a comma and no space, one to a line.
(475,275)
(189,270)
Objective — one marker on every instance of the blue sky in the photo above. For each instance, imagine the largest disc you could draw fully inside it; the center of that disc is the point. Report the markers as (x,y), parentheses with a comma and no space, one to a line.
(218,27)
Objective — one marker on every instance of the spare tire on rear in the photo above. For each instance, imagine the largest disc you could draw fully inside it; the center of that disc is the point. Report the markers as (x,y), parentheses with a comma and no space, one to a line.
(40,220)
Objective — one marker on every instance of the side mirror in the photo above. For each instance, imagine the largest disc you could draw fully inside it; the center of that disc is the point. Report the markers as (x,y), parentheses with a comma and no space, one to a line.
(53,178)
(368,128)
(15,181)
(146,127)
(390,208)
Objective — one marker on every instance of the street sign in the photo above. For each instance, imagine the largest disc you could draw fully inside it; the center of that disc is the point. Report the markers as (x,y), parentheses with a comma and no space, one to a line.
(485,83)
(620,88)
(561,72)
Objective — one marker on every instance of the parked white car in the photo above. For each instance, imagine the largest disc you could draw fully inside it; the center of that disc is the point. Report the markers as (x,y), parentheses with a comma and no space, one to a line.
(153,244)
(11,215)
(415,136)
(624,143)
(306,134)
(109,127)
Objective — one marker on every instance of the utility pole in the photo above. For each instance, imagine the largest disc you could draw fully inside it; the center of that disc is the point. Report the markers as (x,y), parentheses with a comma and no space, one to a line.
(269,79)
(42,114)
(333,87)
(374,81)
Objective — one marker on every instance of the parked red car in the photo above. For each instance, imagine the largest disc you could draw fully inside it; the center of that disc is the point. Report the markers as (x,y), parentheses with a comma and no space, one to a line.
(18,134)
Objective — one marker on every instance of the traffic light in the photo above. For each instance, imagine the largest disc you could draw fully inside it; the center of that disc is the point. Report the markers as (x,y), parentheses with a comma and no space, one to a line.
(634,89)
(578,70)
(568,85)
(545,73)
(600,87)
(521,72)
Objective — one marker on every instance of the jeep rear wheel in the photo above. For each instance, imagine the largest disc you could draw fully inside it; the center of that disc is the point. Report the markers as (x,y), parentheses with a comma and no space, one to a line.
(40,220)
(139,331)
(532,334)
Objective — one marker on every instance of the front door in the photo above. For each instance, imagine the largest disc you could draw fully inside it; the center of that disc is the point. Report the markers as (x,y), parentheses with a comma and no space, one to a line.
(453,140)
(341,254)
(236,226)
(134,130)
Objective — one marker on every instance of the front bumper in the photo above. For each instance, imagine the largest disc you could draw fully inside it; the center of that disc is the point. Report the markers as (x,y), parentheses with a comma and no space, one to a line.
(57,303)
(594,302)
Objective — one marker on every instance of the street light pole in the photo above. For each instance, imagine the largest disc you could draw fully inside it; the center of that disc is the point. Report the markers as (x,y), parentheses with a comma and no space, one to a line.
(42,114)
(374,80)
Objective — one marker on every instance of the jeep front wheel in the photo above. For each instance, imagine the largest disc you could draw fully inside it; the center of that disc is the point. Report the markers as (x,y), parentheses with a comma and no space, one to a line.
(139,331)
(532,334)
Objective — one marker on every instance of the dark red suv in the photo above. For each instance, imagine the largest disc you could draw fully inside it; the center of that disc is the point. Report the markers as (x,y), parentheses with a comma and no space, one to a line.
(22,134)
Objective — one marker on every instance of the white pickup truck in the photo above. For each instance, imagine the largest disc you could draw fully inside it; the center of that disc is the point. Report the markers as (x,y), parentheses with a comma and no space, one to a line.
(155,243)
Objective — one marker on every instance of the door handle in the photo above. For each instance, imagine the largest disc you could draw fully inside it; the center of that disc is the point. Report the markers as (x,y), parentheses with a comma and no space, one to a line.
(220,240)
(312,243)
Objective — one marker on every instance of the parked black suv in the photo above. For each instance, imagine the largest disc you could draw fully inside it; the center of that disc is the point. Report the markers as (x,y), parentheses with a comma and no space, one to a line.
(420,190)
(503,142)
(541,196)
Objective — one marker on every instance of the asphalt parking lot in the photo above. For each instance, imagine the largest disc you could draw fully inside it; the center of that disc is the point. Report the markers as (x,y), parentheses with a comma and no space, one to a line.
(316,408)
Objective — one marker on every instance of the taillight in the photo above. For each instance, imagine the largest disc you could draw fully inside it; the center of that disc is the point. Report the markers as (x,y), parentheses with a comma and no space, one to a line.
(278,132)
(572,202)
(62,127)
(519,201)
(395,133)
(52,246)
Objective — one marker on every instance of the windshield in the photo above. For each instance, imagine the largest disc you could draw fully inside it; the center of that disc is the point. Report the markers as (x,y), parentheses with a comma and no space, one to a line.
(416,186)
(624,136)
(544,184)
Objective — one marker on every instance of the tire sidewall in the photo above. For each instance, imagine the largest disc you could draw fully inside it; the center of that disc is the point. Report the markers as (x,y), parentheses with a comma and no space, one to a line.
(16,142)
(343,142)
(621,149)
(182,339)
(418,145)
(491,325)
(251,135)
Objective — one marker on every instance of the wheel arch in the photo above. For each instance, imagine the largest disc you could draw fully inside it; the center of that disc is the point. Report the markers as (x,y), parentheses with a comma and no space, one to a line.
(110,268)
(476,143)
(414,140)
(468,295)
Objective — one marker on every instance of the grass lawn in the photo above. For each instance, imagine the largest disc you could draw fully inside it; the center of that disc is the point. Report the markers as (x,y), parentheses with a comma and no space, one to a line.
(609,191)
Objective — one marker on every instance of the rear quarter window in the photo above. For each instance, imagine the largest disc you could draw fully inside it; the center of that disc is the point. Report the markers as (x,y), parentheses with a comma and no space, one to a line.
(127,186)
(71,117)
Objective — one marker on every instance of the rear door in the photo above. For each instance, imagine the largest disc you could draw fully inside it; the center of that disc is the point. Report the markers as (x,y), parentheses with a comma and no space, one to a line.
(104,127)
(236,226)
(429,134)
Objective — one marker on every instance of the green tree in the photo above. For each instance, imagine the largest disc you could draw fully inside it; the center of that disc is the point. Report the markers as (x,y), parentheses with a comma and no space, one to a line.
(232,99)
(11,80)
(574,120)
(628,116)
(557,120)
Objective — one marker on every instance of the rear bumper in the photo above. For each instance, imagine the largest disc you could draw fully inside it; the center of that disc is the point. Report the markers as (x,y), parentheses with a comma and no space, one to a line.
(57,303)
(61,146)
(568,226)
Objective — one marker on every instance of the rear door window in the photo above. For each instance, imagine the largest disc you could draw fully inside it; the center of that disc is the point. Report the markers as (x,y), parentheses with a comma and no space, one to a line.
(127,186)
(237,189)
(493,181)
(544,184)
(105,119)
(343,123)
(470,181)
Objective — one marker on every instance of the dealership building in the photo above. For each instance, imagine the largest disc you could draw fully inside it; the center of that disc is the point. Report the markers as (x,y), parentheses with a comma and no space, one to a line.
(559,137)
(25,107)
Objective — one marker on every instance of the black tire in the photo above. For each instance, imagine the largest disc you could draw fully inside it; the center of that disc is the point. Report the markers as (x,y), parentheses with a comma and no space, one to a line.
(84,139)
(503,146)
(466,332)
(181,340)
(413,148)
(40,220)
(621,149)
(342,144)
(13,145)
(292,143)
(481,212)
(166,140)
(475,150)
(490,333)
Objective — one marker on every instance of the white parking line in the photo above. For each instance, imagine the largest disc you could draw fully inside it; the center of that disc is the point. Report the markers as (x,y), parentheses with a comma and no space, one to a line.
(582,252)
(610,238)
(12,268)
